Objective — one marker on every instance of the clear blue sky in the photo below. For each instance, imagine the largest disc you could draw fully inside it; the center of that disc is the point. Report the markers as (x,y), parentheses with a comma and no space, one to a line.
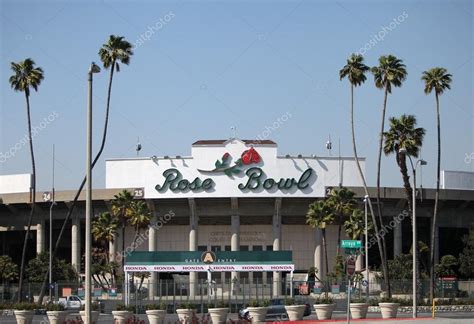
(210,65)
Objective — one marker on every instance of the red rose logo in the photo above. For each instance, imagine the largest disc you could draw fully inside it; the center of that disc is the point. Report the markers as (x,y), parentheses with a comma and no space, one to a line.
(250,156)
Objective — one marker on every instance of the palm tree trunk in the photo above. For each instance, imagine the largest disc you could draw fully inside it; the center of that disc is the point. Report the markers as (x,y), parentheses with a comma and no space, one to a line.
(435,212)
(402,163)
(326,264)
(338,250)
(76,197)
(379,207)
(33,199)
(364,183)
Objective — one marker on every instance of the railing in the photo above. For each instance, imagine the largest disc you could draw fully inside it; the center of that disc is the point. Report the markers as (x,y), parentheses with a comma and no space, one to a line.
(175,292)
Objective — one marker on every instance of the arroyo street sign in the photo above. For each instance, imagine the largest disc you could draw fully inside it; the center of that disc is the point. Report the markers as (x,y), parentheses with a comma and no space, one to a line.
(351,244)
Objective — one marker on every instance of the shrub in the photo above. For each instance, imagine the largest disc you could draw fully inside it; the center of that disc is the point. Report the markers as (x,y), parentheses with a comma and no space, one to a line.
(123,307)
(54,307)
(289,301)
(324,300)
(219,304)
(25,306)
(160,306)
(94,305)
(359,300)
(187,306)
(259,303)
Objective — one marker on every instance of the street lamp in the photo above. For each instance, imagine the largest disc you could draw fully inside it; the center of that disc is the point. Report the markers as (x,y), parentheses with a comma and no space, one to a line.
(414,239)
(366,200)
(92,69)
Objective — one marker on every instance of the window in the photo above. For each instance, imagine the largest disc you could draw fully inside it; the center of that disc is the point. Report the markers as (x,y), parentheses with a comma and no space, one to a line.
(244,248)
(202,248)
(269,247)
(227,248)
(215,248)
(257,248)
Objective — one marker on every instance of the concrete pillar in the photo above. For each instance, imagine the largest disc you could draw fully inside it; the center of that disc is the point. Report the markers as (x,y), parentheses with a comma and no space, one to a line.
(318,254)
(113,249)
(76,243)
(359,262)
(234,240)
(397,237)
(152,247)
(193,244)
(40,236)
(277,245)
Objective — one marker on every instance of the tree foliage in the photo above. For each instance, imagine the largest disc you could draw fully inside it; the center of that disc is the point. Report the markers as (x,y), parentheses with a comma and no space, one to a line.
(8,269)
(62,270)
(466,258)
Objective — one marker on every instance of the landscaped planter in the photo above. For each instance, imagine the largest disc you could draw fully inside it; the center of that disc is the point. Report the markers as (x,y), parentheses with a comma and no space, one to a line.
(24,316)
(185,315)
(94,316)
(56,317)
(257,314)
(218,315)
(121,317)
(295,312)
(156,316)
(324,311)
(359,310)
(389,310)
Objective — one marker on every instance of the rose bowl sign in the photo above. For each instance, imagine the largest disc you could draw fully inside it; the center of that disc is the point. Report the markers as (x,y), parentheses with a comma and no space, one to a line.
(256,178)
(232,168)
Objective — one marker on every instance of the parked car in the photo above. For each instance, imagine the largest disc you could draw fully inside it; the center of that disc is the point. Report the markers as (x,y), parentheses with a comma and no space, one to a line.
(275,309)
(75,303)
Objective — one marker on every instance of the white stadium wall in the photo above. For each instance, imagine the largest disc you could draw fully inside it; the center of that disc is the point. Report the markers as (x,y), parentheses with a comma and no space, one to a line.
(15,183)
(461,180)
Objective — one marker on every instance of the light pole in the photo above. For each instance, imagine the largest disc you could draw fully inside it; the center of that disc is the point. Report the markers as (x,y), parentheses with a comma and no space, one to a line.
(366,200)
(53,202)
(92,69)
(414,239)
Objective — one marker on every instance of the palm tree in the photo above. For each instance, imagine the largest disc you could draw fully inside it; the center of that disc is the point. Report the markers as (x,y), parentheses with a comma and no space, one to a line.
(139,217)
(403,134)
(27,76)
(439,80)
(116,50)
(391,72)
(121,210)
(319,216)
(355,225)
(104,228)
(341,204)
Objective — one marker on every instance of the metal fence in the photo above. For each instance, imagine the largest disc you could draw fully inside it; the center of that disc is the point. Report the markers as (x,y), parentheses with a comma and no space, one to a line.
(175,292)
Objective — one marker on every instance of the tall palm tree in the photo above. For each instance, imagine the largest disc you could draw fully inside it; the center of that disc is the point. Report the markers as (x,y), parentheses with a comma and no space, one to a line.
(355,225)
(27,76)
(403,134)
(355,70)
(341,204)
(391,72)
(439,80)
(116,50)
(319,216)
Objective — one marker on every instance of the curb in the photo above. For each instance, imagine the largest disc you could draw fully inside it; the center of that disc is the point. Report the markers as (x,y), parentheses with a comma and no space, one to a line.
(357,320)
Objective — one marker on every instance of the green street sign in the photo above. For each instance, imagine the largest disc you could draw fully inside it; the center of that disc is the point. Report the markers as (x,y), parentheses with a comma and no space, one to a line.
(351,244)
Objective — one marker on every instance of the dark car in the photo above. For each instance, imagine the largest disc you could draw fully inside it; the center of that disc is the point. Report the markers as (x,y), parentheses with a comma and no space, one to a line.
(276,309)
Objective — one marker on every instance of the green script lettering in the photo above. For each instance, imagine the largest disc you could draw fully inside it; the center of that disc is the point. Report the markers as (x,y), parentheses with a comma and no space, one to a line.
(256,180)
(175,182)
